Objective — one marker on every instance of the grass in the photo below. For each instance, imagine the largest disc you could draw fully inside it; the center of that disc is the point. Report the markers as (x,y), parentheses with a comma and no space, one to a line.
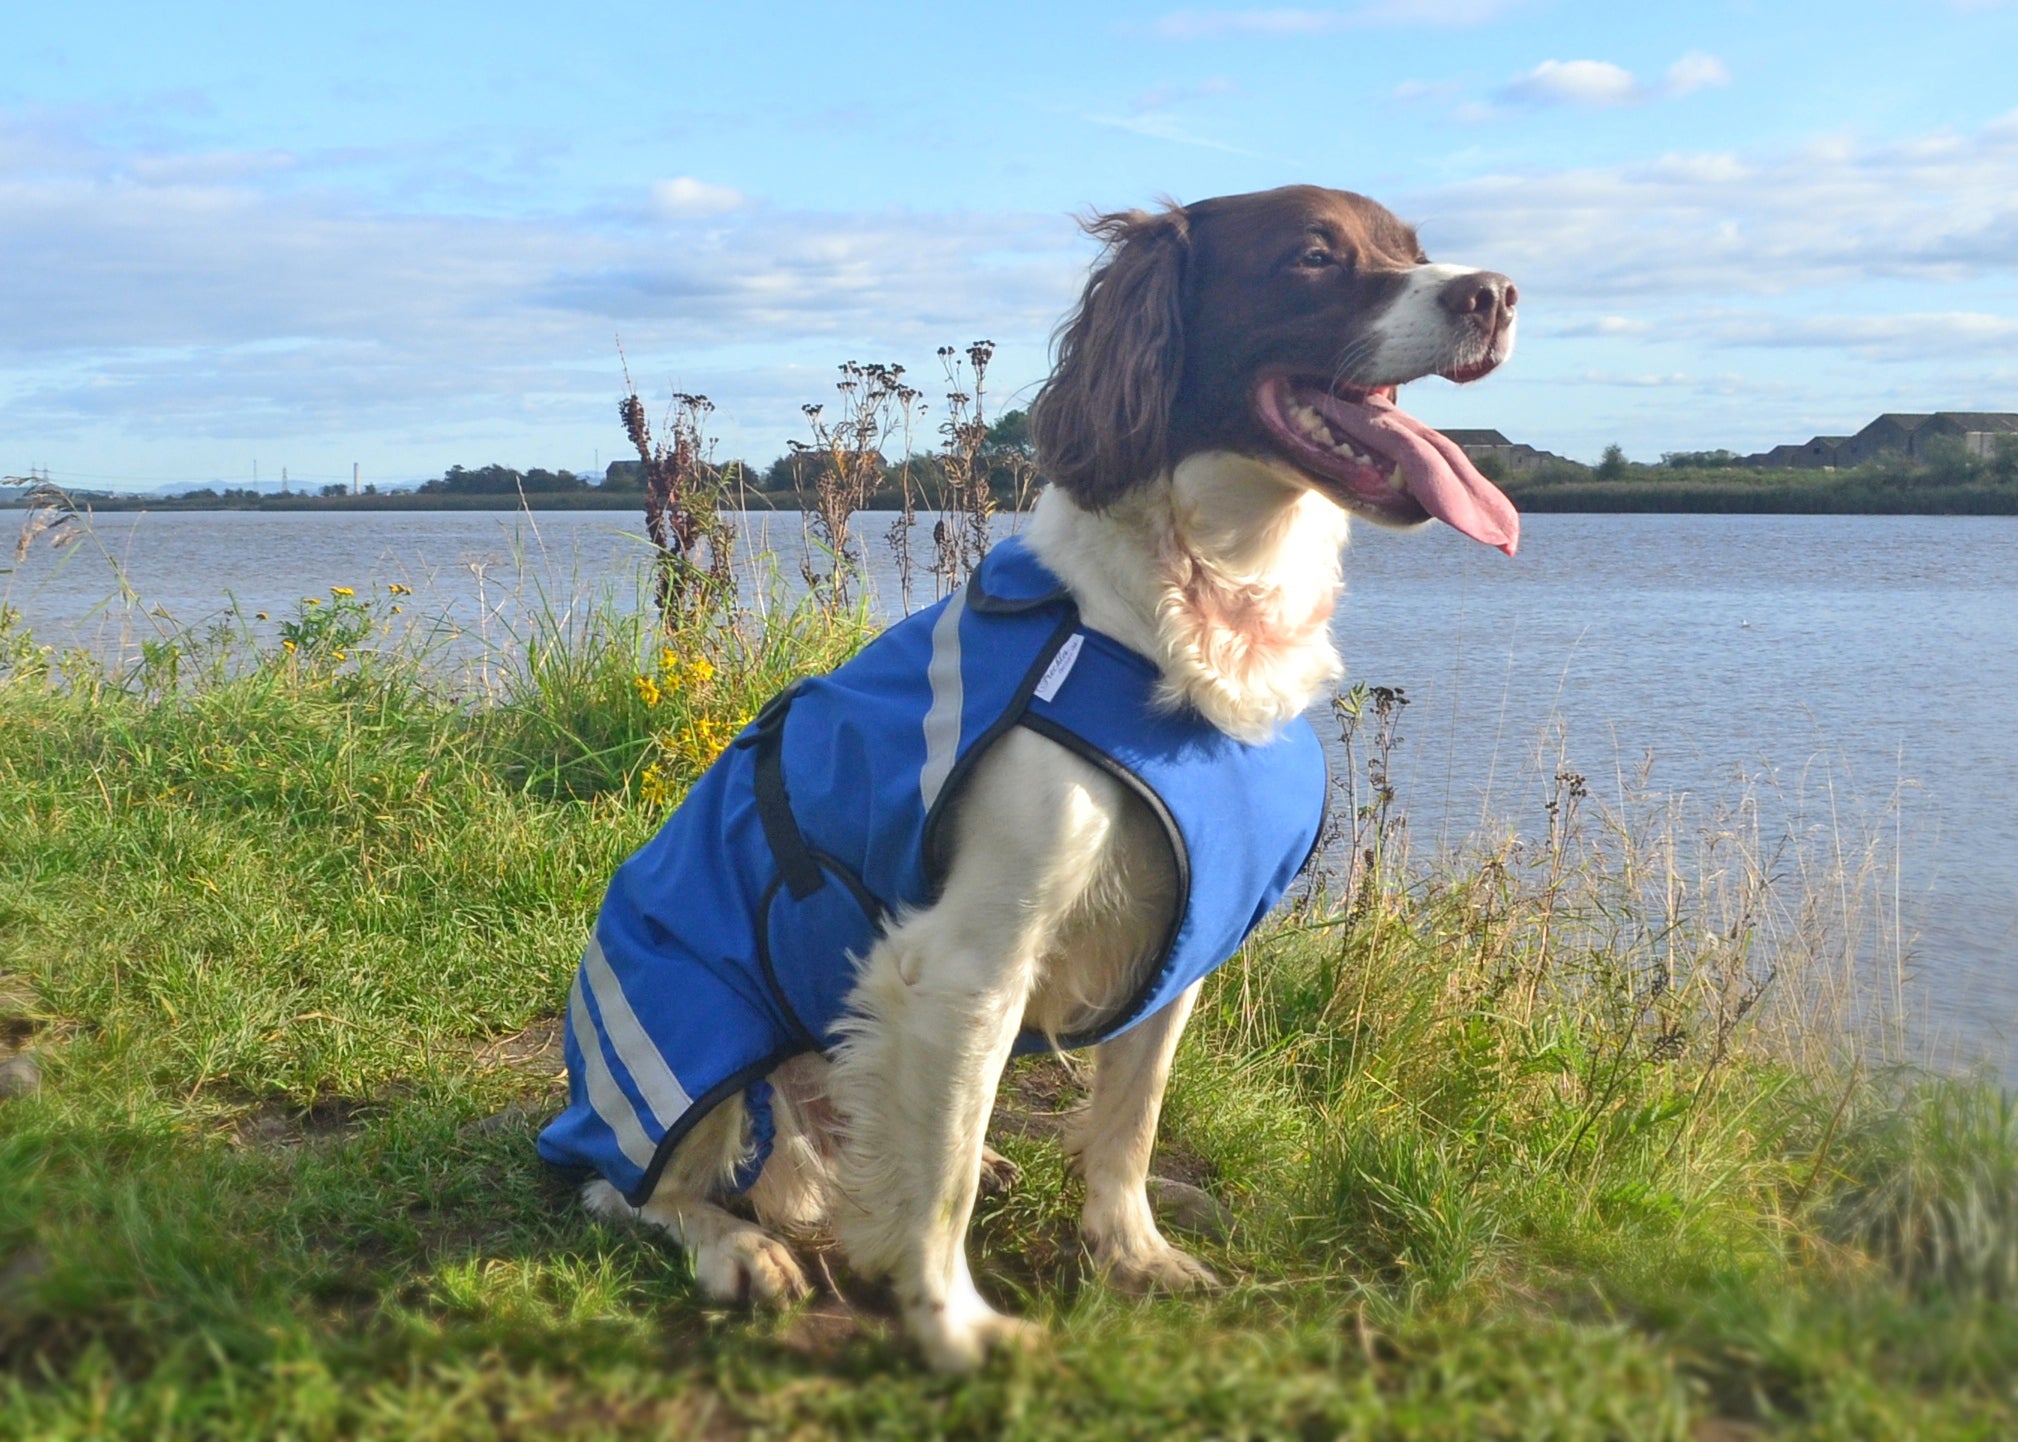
(1560,1140)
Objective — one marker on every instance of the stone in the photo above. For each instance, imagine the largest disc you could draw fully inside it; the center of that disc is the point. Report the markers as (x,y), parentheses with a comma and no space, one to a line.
(1188,1208)
(19,1077)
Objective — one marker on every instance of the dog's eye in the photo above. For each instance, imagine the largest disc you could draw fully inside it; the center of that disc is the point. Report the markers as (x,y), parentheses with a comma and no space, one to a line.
(1316,258)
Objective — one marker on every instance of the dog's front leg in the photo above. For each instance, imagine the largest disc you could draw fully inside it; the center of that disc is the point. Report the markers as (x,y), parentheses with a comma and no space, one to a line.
(1113,1139)
(915,1083)
(932,1020)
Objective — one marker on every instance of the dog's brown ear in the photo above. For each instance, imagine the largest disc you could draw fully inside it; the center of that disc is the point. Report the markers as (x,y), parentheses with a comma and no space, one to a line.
(1102,422)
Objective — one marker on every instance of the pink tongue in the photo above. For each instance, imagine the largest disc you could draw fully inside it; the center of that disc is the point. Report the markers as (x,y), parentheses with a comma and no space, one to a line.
(1435,469)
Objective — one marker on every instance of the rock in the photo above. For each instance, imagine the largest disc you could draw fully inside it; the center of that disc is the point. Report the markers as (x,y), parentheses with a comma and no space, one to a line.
(19,1275)
(19,1077)
(1188,1208)
(511,1119)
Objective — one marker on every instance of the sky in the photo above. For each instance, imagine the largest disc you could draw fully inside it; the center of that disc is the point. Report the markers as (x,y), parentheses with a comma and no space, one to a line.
(239,236)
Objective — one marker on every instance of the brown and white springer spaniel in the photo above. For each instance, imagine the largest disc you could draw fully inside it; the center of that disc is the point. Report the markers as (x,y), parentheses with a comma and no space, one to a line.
(1223,400)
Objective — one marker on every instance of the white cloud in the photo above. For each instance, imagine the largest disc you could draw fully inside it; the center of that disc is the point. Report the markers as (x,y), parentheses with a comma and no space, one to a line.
(1160,125)
(1437,14)
(1604,326)
(1214,24)
(683,196)
(1936,209)
(1695,71)
(1599,83)
(1573,82)
(1163,97)
(1910,337)
(1279,23)
(1409,91)
(255,305)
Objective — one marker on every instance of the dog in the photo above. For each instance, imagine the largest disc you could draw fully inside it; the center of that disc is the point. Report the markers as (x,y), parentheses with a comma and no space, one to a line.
(1222,403)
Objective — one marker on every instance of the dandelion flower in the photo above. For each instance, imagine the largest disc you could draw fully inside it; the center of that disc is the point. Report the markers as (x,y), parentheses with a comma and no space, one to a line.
(343,591)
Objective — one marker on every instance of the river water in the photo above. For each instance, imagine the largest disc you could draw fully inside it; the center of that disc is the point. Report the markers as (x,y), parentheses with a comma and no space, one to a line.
(1859,673)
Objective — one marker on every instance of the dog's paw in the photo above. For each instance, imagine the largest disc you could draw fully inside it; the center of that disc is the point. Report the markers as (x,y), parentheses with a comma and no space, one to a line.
(1153,1267)
(605,1203)
(749,1266)
(958,1338)
(998,1173)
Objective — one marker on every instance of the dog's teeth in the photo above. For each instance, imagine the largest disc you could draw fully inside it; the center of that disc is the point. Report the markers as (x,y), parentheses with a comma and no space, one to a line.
(1395,481)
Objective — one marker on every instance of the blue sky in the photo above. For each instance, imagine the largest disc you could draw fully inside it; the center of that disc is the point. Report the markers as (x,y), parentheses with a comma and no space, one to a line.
(409,236)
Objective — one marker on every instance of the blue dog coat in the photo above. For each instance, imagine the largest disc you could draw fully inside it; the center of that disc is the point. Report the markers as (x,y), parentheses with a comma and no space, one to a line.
(728,943)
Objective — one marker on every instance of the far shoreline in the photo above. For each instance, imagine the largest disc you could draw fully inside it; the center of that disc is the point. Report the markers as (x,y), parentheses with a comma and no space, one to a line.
(1577,497)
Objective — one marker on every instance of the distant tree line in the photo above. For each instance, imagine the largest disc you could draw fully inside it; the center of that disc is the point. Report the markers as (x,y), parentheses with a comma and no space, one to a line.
(1947,480)
(797,471)
(496,480)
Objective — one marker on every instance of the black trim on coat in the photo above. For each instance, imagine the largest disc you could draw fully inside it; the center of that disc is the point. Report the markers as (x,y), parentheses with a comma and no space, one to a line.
(703,1104)
(796,862)
(872,908)
(1180,856)
(984,601)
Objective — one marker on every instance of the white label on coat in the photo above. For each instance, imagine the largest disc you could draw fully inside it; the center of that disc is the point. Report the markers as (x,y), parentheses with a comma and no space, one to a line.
(1060,667)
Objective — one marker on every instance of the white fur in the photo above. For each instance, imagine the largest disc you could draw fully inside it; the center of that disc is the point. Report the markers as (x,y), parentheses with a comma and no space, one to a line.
(1415,334)
(1061,882)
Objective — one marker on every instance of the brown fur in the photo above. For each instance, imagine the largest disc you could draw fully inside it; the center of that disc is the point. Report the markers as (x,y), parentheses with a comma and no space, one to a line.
(1187,306)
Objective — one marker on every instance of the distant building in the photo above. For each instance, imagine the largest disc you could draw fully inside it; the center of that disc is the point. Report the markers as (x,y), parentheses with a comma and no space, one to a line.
(1897,433)
(1515,456)
(1815,453)
(1980,432)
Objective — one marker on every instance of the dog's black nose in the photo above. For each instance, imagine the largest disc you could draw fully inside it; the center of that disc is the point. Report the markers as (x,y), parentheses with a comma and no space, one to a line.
(1484,293)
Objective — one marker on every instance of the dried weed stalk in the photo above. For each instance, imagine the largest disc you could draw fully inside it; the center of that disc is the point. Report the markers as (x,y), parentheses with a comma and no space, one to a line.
(966,497)
(694,541)
(846,462)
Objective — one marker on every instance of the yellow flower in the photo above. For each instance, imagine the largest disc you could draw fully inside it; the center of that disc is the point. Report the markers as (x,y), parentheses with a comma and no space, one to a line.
(259,615)
(288,646)
(702,670)
(652,787)
(399,590)
(669,660)
(313,600)
(343,591)
(341,655)
(397,609)
(648,690)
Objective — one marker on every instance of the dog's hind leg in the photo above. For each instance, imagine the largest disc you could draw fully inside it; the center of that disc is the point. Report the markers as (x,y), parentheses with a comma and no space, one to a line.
(733,1260)
(1112,1139)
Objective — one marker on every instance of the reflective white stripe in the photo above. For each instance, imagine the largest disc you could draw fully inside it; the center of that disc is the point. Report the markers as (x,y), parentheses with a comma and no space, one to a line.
(632,1044)
(942,722)
(606,1098)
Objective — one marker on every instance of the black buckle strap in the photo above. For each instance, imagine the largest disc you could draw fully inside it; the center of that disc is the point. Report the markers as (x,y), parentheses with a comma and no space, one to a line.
(801,873)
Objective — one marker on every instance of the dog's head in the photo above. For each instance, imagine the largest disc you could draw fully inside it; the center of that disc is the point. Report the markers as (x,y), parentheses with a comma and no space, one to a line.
(1277,326)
